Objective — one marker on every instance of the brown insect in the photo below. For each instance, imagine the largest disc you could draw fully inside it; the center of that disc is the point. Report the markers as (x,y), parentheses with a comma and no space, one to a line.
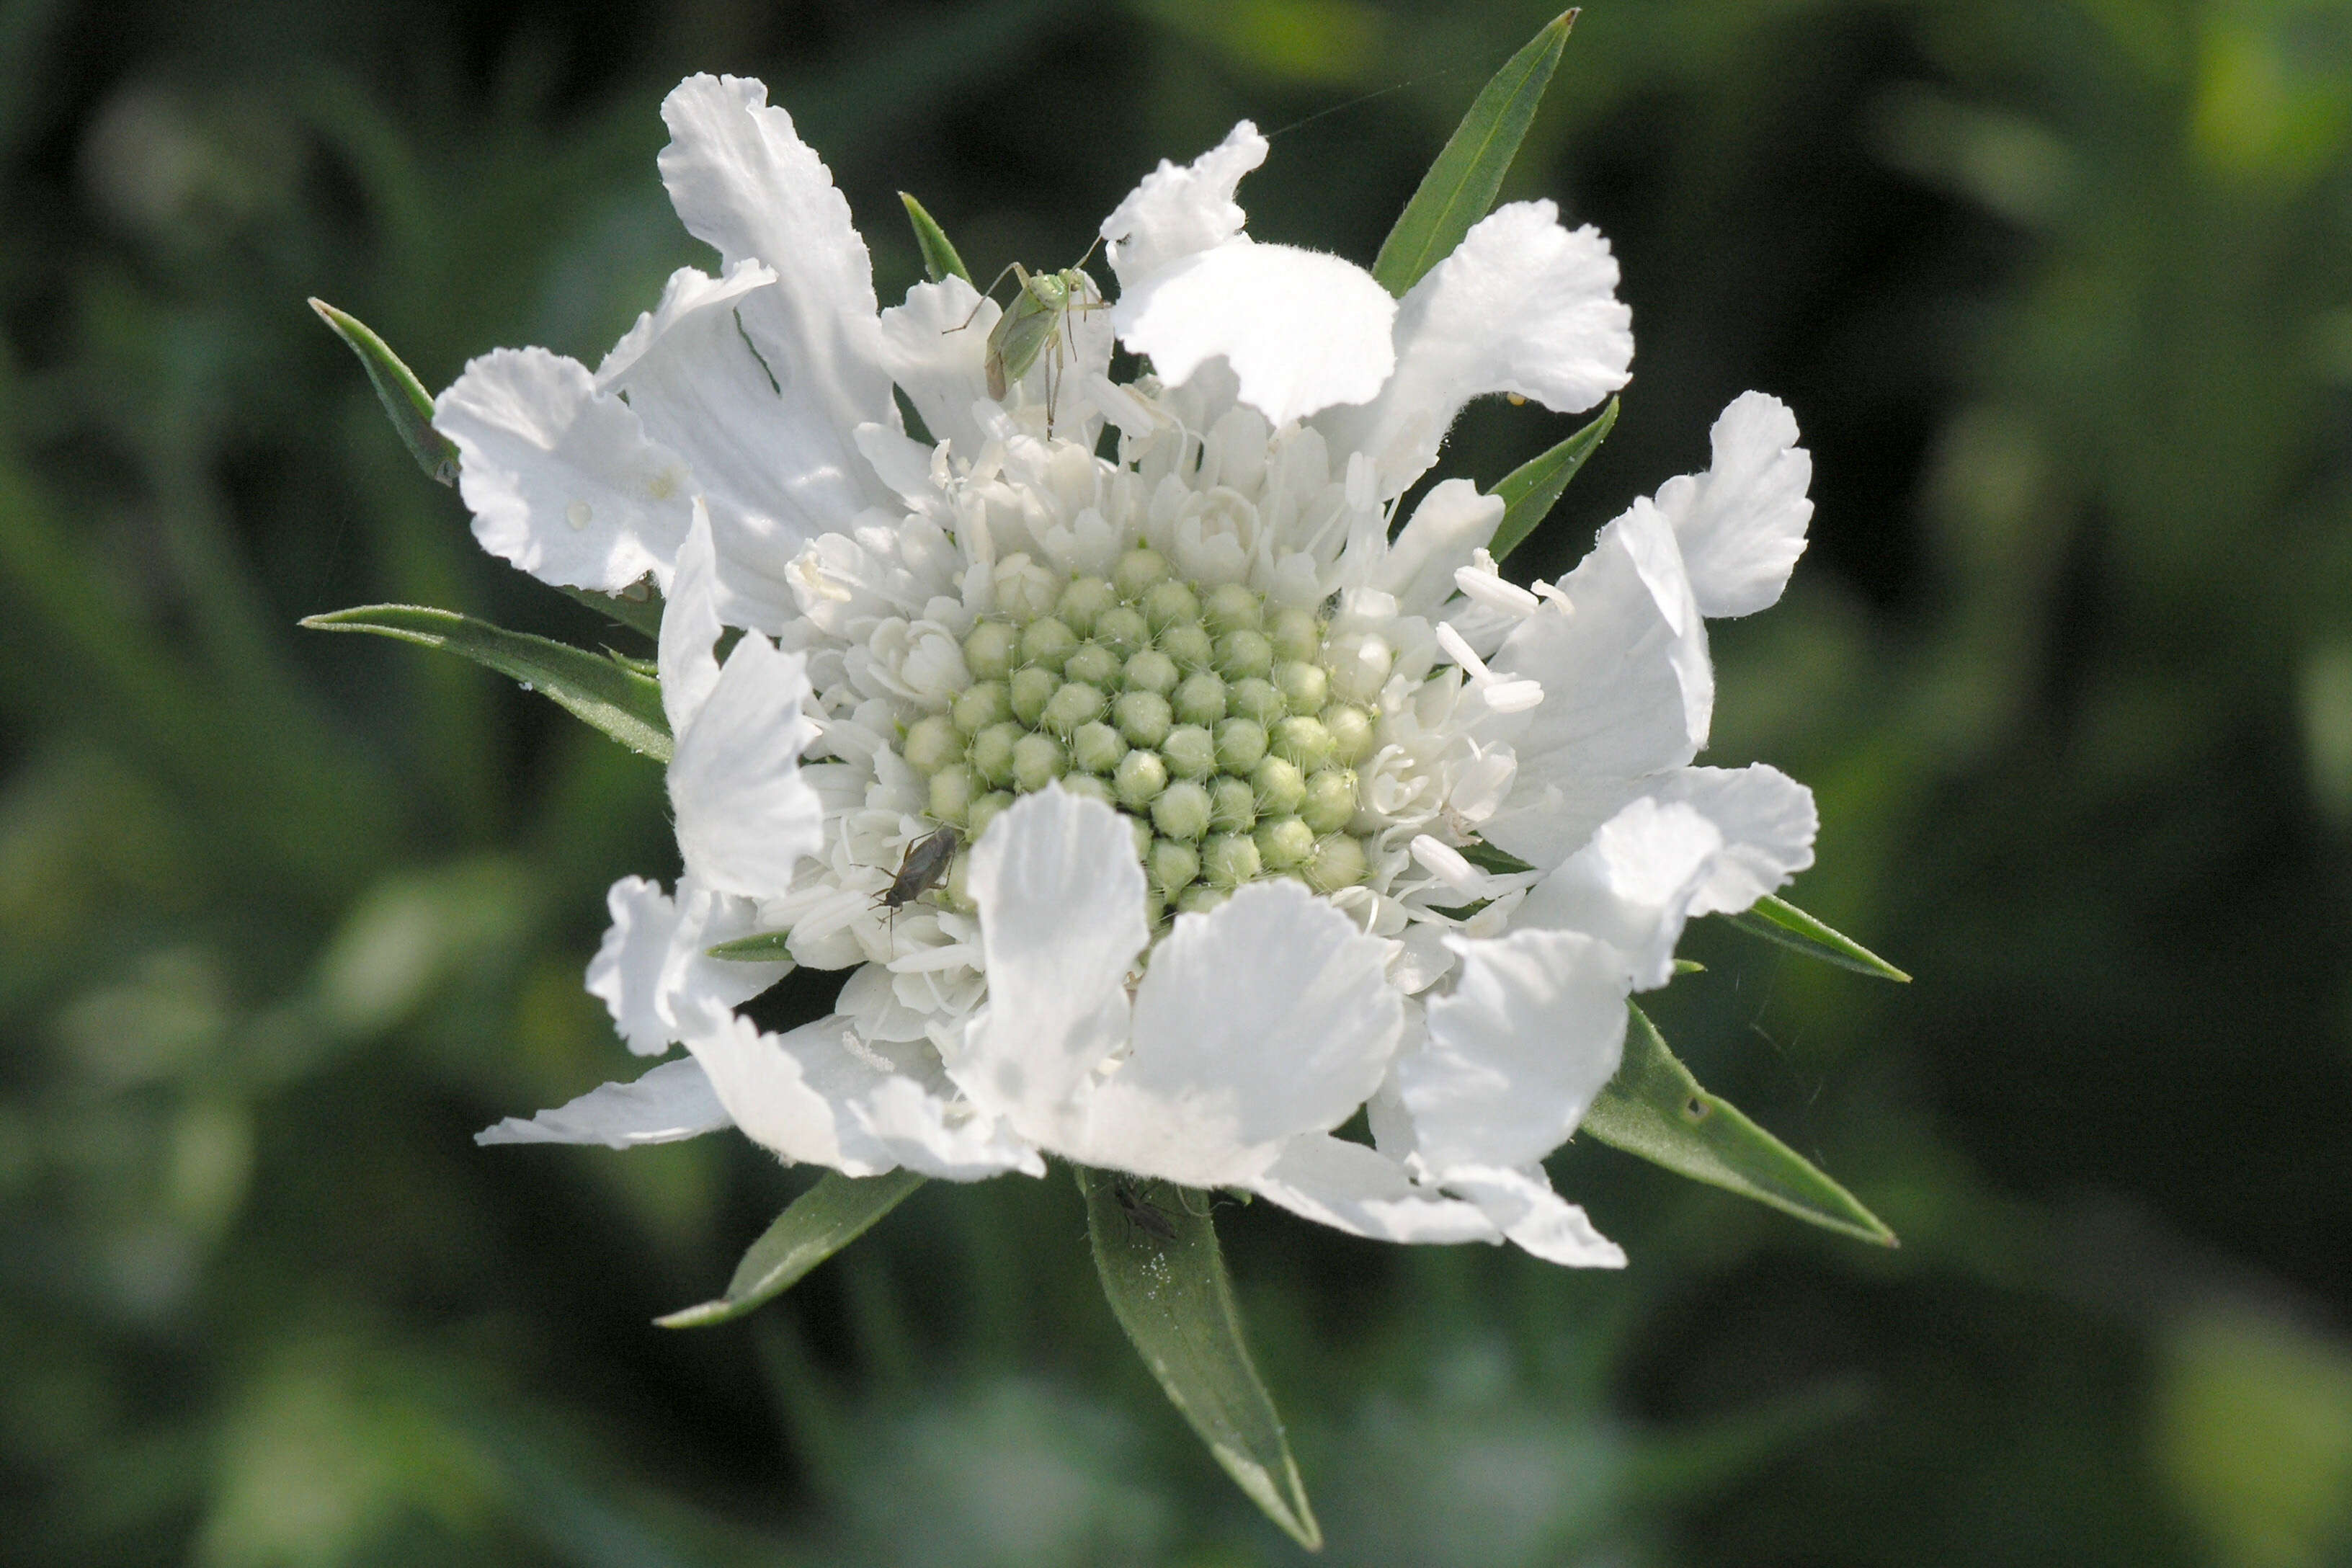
(1141,1211)
(920,870)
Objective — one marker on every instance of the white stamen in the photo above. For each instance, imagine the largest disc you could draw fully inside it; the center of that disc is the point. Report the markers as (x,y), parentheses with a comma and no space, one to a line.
(1445,863)
(1457,648)
(1512,696)
(1486,589)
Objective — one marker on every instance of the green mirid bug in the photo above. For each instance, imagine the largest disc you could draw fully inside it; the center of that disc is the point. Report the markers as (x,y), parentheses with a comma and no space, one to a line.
(1035,326)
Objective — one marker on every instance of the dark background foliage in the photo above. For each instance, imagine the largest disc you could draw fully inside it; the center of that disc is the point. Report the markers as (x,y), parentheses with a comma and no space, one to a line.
(2059,293)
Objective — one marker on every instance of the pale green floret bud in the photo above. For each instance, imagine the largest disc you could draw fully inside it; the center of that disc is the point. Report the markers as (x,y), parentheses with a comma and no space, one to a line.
(1038,761)
(1122,629)
(990,650)
(1181,811)
(1339,862)
(1047,642)
(982,812)
(1255,698)
(1093,664)
(1244,652)
(1189,751)
(1152,671)
(1097,747)
(1139,778)
(1165,604)
(1031,690)
(1075,704)
(1284,842)
(1090,787)
(1281,787)
(932,744)
(1200,699)
(1229,859)
(1330,800)
(1233,804)
(1305,687)
(1142,830)
(1294,634)
(1233,607)
(1303,740)
(991,753)
(1197,899)
(1142,717)
(1082,601)
(1187,642)
(1241,744)
(958,880)
(977,707)
(952,791)
(1138,570)
(1173,864)
(1351,732)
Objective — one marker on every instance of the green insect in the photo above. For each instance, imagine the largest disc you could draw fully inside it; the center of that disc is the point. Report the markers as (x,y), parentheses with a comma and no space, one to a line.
(1037,326)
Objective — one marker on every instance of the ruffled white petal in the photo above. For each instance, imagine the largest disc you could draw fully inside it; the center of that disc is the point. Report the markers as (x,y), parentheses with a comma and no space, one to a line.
(1176,212)
(666,1103)
(1266,1018)
(935,345)
(745,817)
(1633,885)
(1741,525)
(1061,910)
(687,651)
(1522,1203)
(1531,1031)
(654,960)
(1448,528)
(1301,330)
(1364,1193)
(1523,306)
(562,480)
(1767,822)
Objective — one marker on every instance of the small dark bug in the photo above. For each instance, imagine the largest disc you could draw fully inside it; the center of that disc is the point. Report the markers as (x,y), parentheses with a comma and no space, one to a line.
(925,862)
(1141,1211)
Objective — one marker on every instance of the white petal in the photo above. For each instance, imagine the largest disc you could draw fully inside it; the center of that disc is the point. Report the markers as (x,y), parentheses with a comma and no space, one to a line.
(1741,525)
(765,1086)
(687,653)
(1301,330)
(1362,1192)
(1537,1219)
(745,817)
(1449,527)
(1061,911)
(1628,690)
(655,960)
(562,479)
(937,348)
(1176,212)
(1531,1032)
(1267,1017)
(1522,306)
(668,1103)
(1768,821)
(1632,886)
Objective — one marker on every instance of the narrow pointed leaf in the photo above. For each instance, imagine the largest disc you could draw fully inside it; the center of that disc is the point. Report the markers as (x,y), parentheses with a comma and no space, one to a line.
(1530,490)
(404,399)
(1165,1280)
(639,615)
(816,1225)
(941,261)
(1461,185)
(1654,1108)
(761,947)
(592,686)
(1776,919)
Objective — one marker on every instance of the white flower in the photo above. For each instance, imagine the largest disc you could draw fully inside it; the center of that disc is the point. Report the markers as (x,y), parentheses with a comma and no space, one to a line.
(1214,743)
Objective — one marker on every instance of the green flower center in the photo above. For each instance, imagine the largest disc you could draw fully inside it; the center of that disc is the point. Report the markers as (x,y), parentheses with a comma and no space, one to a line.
(1206,718)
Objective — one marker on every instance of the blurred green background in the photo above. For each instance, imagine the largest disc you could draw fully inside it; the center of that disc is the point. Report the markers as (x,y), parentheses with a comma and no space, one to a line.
(2061,291)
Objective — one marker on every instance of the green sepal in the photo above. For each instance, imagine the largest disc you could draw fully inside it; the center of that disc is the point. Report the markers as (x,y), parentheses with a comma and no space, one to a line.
(1654,1109)
(1461,184)
(761,947)
(1488,858)
(812,1227)
(1776,919)
(592,686)
(639,615)
(1165,1280)
(1530,490)
(404,399)
(941,261)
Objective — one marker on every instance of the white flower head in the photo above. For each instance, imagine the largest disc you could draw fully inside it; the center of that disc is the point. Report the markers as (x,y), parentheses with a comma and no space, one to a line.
(1222,747)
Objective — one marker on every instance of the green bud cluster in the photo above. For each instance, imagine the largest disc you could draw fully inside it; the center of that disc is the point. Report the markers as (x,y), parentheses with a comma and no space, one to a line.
(1206,717)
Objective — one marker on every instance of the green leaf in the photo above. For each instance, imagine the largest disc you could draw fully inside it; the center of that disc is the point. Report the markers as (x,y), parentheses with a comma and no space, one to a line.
(639,615)
(1461,185)
(1530,490)
(1165,1280)
(1776,919)
(1654,1108)
(812,1227)
(592,686)
(761,947)
(404,399)
(941,261)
